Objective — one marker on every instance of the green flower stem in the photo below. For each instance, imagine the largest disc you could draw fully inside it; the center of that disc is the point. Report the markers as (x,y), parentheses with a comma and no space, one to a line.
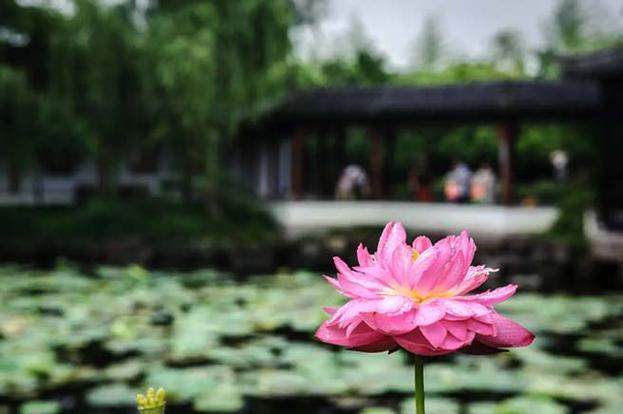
(419,385)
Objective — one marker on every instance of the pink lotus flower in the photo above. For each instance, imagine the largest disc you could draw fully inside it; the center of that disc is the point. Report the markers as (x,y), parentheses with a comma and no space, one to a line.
(415,297)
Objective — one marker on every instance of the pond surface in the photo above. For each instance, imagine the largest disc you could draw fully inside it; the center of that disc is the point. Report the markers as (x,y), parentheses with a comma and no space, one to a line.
(72,343)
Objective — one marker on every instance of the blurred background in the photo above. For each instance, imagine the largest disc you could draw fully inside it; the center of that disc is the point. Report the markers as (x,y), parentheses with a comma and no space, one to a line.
(175,176)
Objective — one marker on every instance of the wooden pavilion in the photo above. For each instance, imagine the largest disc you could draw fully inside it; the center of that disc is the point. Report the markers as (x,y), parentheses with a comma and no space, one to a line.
(271,156)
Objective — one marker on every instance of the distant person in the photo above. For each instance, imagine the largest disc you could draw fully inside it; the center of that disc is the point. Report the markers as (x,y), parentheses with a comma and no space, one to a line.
(420,185)
(352,184)
(559,160)
(457,183)
(483,185)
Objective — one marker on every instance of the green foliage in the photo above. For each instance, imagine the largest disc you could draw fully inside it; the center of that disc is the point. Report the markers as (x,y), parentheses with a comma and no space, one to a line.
(37,130)
(16,106)
(536,142)
(568,24)
(471,144)
(573,199)
(508,51)
(365,67)
(576,28)
(61,137)
(151,221)
(457,73)
(432,149)
(429,48)
(206,66)
(182,78)
(569,227)
(546,192)
(92,63)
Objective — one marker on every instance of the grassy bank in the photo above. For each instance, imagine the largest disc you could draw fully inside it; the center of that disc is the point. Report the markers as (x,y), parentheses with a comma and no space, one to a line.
(150,221)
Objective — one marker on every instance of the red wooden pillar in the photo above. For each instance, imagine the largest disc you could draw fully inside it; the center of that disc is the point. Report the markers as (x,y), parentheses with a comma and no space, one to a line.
(376,162)
(297,164)
(507,133)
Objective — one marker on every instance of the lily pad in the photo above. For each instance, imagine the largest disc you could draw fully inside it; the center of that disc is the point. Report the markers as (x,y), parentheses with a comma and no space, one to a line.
(523,405)
(112,395)
(433,406)
(40,407)
(377,410)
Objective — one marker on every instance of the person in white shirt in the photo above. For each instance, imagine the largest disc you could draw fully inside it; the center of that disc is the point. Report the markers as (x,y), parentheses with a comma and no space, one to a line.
(352,184)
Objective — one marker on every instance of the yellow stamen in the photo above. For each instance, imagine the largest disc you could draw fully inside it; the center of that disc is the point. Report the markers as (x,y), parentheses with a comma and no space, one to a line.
(415,255)
(415,295)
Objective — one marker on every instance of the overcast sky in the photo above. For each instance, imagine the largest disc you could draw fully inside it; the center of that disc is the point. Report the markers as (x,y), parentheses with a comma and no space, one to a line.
(467,25)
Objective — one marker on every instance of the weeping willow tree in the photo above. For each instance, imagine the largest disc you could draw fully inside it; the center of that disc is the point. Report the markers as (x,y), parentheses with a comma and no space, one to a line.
(81,67)
(207,65)
(93,70)
(20,74)
(16,109)
(181,75)
(38,131)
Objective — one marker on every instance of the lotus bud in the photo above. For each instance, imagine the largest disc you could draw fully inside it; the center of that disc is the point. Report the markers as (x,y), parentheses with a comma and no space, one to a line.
(153,402)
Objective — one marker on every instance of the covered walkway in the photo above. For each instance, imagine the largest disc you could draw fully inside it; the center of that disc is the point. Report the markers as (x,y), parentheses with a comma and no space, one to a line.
(281,136)
(274,159)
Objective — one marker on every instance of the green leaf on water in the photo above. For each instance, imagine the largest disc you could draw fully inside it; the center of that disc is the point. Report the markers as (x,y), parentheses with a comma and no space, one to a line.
(112,395)
(377,410)
(433,406)
(40,407)
(529,404)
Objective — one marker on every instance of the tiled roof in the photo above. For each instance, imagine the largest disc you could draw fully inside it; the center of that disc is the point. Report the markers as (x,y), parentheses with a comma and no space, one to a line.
(473,101)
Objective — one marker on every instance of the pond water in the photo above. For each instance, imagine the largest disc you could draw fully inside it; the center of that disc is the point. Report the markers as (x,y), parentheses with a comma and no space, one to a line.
(75,343)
